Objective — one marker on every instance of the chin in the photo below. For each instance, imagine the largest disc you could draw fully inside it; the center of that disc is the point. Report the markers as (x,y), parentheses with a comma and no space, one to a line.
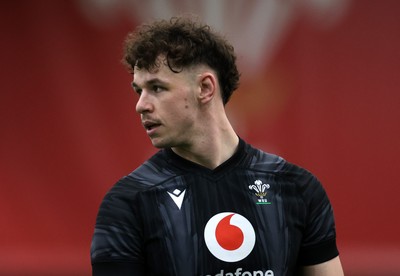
(159,143)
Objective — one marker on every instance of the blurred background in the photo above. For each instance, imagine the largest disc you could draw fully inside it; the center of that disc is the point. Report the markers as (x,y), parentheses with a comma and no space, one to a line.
(320,87)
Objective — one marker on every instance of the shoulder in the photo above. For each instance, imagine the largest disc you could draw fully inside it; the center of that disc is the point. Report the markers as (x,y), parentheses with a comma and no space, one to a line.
(127,189)
(152,172)
(290,175)
(268,162)
(118,227)
(263,161)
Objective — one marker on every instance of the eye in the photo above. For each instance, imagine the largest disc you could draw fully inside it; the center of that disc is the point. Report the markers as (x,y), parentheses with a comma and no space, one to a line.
(138,90)
(157,88)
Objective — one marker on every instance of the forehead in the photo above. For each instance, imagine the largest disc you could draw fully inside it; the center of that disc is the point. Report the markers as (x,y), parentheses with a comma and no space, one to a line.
(141,74)
(161,72)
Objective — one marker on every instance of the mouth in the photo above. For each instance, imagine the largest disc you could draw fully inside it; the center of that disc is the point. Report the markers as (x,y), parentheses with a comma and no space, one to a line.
(150,126)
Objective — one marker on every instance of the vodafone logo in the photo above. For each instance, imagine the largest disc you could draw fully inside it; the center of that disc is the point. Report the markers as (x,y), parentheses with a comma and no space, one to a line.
(229,236)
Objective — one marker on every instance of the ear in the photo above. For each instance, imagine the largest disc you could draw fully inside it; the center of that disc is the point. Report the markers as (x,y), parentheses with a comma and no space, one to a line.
(208,87)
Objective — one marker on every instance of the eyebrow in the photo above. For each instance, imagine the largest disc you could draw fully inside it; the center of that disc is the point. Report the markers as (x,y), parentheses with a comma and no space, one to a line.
(149,83)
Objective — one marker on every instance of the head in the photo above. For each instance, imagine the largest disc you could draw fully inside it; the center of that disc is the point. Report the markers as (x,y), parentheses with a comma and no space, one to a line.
(184,43)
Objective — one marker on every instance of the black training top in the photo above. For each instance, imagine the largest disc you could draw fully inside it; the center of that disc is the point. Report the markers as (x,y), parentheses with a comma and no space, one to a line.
(255,214)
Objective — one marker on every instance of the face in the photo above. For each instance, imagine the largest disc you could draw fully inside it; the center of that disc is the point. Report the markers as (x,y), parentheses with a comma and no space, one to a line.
(167,105)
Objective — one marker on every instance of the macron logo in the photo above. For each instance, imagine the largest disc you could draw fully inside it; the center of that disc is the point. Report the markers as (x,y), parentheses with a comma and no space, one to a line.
(177,196)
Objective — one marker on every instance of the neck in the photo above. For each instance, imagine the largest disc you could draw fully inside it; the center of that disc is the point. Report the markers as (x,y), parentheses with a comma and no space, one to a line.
(215,143)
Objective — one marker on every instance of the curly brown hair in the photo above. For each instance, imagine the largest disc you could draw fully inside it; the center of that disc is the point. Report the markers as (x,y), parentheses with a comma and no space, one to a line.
(184,42)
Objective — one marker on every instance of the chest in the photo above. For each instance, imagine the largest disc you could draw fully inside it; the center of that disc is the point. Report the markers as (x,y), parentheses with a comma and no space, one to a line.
(247,220)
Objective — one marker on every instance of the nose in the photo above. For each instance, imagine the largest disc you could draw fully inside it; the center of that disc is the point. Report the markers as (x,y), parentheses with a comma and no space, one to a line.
(144,104)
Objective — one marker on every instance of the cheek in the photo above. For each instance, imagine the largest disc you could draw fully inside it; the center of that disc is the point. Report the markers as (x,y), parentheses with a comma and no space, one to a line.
(184,113)
(181,110)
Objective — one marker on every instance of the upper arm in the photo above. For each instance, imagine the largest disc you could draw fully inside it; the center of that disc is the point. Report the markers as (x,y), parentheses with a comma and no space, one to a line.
(318,243)
(117,244)
(332,267)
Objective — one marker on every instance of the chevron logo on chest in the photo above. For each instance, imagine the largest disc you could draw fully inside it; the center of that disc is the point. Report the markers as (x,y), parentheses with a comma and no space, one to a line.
(177,196)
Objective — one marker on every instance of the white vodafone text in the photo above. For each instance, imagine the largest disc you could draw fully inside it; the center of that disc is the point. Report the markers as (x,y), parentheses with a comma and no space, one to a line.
(239,272)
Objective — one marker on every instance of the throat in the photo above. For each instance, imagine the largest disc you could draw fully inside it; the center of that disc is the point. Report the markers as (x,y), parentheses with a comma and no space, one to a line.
(210,155)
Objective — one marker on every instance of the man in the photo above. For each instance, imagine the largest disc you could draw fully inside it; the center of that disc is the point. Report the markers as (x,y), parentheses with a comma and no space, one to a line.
(207,203)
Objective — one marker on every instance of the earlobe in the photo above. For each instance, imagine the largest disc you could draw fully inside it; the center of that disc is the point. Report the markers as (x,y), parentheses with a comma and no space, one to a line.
(207,87)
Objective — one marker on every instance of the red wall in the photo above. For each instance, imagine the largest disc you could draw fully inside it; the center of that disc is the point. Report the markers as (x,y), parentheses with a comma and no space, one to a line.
(329,101)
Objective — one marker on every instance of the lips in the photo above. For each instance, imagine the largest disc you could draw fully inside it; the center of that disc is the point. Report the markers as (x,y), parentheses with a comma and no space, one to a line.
(150,126)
